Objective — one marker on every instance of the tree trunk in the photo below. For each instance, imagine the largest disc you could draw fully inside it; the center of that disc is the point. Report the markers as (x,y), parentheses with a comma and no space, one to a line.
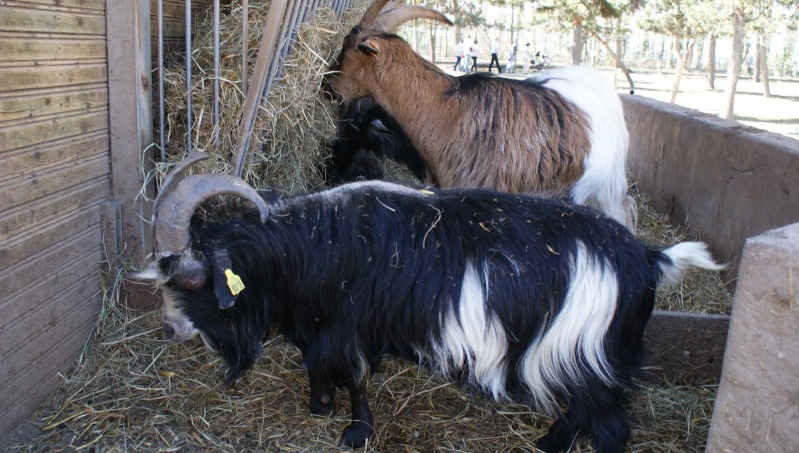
(700,50)
(618,39)
(734,68)
(763,52)
(456,13)
(756,76)
(711,62)
(577,42)
(684,61)
(432,41)
(618,61)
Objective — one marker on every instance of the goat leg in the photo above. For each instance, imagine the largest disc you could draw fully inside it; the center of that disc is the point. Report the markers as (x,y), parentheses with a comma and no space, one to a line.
(362,427)
(322,391)
(560,437)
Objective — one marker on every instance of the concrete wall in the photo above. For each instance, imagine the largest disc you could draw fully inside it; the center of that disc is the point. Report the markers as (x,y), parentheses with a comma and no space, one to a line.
(728,184)
(724,181)
(757,408)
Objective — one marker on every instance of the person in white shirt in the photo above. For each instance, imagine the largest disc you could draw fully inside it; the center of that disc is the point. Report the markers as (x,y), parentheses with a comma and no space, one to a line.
(525,55)
(458,54)
(495,55)
(474,54)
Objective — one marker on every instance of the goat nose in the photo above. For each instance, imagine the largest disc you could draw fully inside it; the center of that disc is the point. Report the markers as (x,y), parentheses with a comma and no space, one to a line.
(169,331)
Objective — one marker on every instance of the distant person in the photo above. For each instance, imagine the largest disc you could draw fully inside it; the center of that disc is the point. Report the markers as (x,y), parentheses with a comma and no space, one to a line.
(511,68)
(495,55)
(525,56)
(458,54)
(474,54)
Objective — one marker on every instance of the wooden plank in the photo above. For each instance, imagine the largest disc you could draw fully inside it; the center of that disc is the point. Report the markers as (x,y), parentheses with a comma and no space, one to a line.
(21,397)
(49,76)
(21,320)
(25,48)
(38,266)
(39,20)
(25,190)
(44,237)
(685,348)
(52,102)
(27,162)
(52,129)
(131,118)
(98,5)
(54,351)
(17,222)
(266,52)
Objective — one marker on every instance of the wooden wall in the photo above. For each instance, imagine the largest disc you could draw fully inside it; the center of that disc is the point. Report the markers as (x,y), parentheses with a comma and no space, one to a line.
(54,177)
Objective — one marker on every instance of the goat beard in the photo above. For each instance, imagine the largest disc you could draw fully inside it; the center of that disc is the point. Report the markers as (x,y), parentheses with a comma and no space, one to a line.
(239,345)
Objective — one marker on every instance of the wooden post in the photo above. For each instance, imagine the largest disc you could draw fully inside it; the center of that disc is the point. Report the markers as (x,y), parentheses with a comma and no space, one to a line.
(131,120)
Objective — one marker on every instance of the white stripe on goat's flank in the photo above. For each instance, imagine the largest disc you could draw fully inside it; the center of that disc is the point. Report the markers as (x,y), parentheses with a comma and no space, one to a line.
(574,340)
(473,340)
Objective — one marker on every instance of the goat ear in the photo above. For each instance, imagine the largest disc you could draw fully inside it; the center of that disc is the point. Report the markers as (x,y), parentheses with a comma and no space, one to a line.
(227,285)
(369,46)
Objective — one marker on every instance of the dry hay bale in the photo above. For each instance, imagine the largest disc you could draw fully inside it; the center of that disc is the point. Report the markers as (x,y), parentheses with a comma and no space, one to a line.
(293,124)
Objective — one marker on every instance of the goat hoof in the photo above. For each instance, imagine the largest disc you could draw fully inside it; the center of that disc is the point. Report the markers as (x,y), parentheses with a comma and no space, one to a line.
(356,434)
(321,406)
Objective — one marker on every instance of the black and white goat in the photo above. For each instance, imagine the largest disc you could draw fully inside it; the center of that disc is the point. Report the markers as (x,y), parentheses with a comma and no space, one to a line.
(364,134)
(558,134)
(522,298)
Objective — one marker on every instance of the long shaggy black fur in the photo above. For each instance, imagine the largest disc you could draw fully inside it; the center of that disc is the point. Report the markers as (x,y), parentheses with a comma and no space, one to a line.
(366,270)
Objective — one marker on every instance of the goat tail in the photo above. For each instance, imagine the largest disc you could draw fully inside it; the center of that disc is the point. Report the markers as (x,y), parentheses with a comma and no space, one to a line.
(685,255)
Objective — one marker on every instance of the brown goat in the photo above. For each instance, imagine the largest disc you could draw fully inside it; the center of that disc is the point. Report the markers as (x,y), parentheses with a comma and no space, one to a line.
(561,134)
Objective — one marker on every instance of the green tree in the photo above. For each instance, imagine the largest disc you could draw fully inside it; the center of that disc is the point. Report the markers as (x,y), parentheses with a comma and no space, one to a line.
(687,21)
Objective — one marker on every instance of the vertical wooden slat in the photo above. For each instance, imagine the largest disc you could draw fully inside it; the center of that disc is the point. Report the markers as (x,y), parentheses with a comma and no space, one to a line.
(275,64)
(245,43)
(289,26)
(266,52)
(161,101)
(187,18)
(215,118)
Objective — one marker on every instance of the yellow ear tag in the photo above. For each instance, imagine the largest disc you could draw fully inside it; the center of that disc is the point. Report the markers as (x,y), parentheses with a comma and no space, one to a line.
(234,282)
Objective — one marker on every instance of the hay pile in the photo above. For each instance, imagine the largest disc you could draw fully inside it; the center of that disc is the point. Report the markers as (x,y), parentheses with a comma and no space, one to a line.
(292,126)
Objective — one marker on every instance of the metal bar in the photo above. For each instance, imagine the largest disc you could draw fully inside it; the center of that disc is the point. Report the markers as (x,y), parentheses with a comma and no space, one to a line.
(276,63)
(290,26)
(245,44)
(306,13)
(215,118)
(189,138)
(161,118)
(266,52)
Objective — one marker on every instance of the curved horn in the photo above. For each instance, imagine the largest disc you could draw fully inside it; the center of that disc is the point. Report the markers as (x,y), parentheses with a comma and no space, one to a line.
(370,15)
(388,21)
(178,173)
(172,223)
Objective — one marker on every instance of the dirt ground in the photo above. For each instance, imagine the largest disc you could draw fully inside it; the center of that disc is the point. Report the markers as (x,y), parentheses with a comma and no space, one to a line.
(778,113)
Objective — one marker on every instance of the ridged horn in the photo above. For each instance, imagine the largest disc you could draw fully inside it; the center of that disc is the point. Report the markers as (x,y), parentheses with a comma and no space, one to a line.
(371,14)
(174,217)
(388,21)
(175,176)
